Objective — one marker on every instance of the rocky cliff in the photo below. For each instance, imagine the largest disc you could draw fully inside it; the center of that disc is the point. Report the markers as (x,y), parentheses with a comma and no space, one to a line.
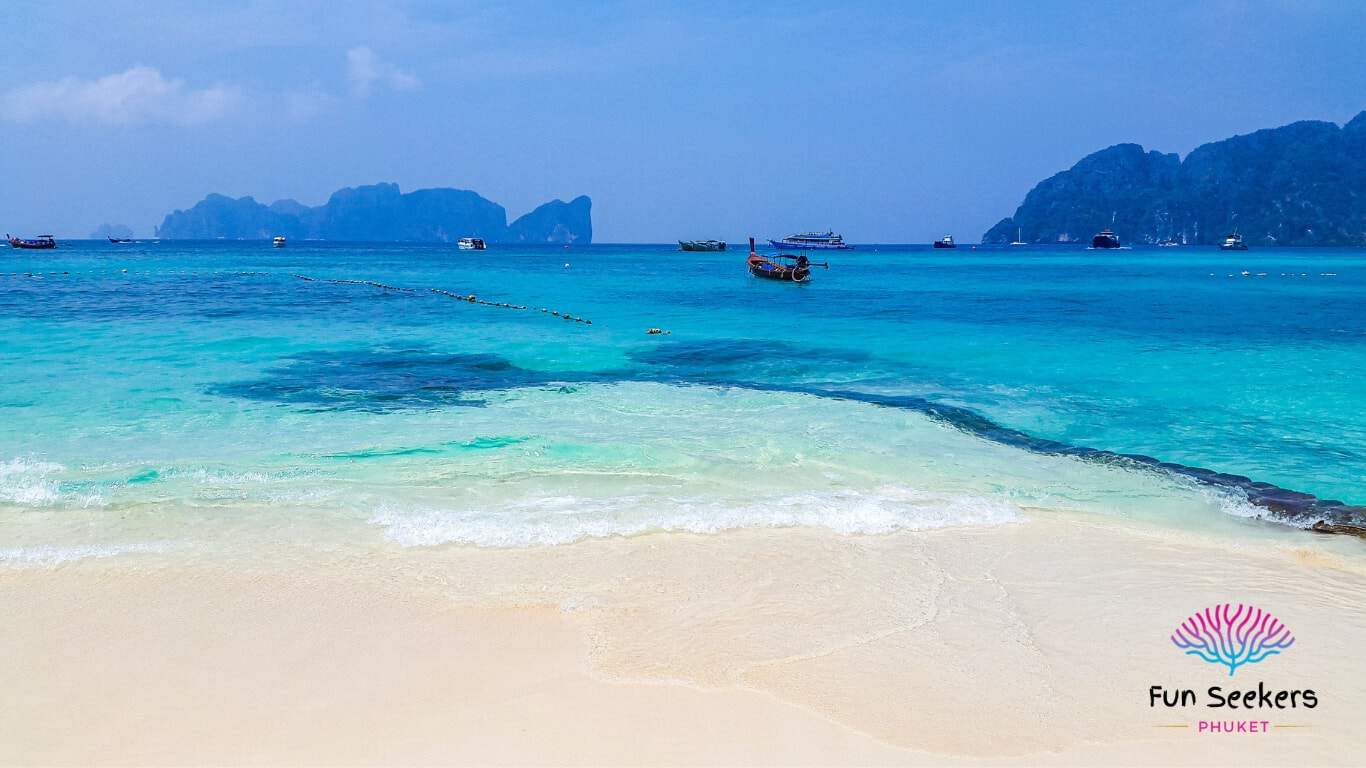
(381,212)
(1300,184)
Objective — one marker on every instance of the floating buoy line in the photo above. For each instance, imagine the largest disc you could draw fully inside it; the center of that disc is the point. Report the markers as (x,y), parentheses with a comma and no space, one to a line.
(469,298)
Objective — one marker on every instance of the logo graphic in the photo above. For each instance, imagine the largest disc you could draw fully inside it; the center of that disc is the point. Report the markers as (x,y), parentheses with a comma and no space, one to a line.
(1233,637)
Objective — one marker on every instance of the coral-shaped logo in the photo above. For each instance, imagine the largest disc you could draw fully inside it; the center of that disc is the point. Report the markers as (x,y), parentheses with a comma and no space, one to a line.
(1231,636)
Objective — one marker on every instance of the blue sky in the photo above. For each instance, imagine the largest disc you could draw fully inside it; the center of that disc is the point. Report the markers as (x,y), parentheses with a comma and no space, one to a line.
(890,122)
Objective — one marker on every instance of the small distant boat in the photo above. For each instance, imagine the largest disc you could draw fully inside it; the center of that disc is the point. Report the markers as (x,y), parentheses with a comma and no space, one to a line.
(701,245)
(945,242)
(470,244)
(278,241)
(812,241)
(1019,236)
(39,243)
(1234,242)
(1168,243)
(792,269)
(118,240)
(1105,240)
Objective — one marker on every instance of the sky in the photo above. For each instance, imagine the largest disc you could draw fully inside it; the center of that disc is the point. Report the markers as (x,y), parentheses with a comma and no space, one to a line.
(888,122)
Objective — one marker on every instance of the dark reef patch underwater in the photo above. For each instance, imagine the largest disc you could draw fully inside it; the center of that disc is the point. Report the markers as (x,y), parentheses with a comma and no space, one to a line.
(380,380)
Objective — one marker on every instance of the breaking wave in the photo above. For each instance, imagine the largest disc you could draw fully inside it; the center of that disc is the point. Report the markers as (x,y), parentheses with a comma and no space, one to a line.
(566,519)
(28,482)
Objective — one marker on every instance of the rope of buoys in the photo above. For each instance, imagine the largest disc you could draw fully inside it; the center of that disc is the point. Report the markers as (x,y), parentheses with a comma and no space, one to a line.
(470,298)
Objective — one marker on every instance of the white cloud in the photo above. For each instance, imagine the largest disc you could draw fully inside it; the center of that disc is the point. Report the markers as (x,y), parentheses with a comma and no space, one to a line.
(303,105)
(143,95)
(365,70)
(137,95)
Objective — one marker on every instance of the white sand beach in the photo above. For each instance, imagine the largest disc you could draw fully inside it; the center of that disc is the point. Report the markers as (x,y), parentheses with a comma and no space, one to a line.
(1031,643)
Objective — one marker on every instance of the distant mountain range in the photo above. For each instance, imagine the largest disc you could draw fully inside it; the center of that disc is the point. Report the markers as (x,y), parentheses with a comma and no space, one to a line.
(111,230)
(1300,184)
(380,212)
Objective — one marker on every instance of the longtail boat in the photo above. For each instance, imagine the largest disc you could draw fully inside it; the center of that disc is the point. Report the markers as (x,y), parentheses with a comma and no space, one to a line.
(794,269)
(42,242)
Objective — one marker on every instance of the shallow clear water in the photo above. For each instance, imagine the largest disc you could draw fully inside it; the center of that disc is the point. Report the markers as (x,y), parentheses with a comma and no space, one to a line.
(205,386)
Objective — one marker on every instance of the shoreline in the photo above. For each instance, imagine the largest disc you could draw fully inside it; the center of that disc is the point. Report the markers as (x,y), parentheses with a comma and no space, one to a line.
(1023,643)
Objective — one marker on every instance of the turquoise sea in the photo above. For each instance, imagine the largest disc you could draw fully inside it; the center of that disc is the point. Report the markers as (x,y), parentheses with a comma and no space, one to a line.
(172,395)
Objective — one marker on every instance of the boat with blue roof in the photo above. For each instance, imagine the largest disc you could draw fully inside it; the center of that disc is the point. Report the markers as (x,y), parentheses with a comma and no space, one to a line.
(792,269)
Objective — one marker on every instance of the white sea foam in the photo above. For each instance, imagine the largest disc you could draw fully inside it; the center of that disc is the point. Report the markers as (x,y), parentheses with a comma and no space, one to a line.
(29,482)
(51,555)
(565,519)
(1235,504)
(225,477)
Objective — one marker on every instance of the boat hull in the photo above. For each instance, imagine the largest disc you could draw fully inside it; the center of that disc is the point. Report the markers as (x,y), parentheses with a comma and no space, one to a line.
(706,245)
(784,245)
(32,245)
(942,244)
(771,270)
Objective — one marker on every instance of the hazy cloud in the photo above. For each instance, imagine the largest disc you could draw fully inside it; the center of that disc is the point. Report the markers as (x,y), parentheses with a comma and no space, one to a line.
(365,71)
(302,105)
(137,95)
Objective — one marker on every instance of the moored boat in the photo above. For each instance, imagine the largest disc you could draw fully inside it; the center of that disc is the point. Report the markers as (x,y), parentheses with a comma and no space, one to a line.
(278,241)
(1234,242)
(39,243)
(1105,240)
(1019,236)
(471,244)
(812,241)
(945,242)
(792,269)
(701,245)
(119,240)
